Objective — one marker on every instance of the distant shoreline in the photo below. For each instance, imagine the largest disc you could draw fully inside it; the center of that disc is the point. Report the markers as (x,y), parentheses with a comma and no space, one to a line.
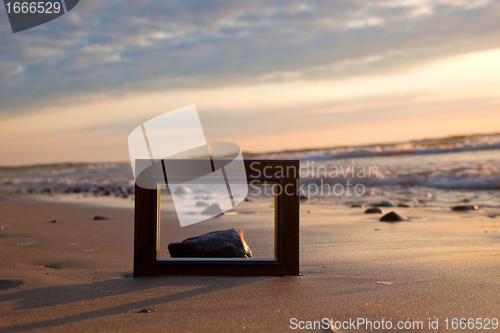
(450,144)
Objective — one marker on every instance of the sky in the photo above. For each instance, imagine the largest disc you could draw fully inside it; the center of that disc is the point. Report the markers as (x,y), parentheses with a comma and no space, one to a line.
(266,75)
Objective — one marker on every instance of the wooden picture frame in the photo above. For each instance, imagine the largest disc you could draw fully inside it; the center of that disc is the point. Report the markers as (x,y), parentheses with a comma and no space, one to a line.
(284,173)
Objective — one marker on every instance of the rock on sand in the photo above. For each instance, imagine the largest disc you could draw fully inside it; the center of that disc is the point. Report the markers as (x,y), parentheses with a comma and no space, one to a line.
(393,217)
(385,203)
(213,209)
(464,208)
(374,210)
(216,244)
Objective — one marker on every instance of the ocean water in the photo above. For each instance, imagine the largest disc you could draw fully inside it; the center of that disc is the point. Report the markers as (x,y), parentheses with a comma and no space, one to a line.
(438,179)
(437,172)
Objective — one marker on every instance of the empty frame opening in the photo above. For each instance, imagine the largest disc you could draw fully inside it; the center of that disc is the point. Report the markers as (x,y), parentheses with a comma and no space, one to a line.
(255,217)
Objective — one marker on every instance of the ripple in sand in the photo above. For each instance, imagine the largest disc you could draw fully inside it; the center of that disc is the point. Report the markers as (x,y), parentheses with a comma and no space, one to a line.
(231,213)
(68,264)
(254,213)
(24,244)
(383,282)
(8,284)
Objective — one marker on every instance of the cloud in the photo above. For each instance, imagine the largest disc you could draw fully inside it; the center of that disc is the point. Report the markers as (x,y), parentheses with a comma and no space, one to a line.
(111,48)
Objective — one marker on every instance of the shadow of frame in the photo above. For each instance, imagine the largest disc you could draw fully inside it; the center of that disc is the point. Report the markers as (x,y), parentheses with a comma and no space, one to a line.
(58,295)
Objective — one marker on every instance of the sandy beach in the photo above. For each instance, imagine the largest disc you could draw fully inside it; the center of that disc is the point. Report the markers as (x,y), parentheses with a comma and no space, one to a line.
(75,275)
(250,138)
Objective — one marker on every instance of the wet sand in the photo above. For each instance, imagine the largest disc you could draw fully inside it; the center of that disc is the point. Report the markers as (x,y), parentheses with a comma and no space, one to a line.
(75,275)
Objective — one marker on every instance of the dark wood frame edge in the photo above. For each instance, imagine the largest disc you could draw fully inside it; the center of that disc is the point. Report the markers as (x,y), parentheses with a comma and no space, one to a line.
(286,233)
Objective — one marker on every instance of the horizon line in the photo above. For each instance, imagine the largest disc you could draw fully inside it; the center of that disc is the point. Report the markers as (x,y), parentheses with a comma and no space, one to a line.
(67,163)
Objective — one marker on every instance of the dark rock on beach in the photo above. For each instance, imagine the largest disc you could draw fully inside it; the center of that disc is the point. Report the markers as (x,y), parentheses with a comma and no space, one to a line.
(385,203)
(463,208)
(213,209)
(144,311)
(216,244)
(98,217)
(374,210)
(201,204)
(393,217)
(358,205)
(303,198)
